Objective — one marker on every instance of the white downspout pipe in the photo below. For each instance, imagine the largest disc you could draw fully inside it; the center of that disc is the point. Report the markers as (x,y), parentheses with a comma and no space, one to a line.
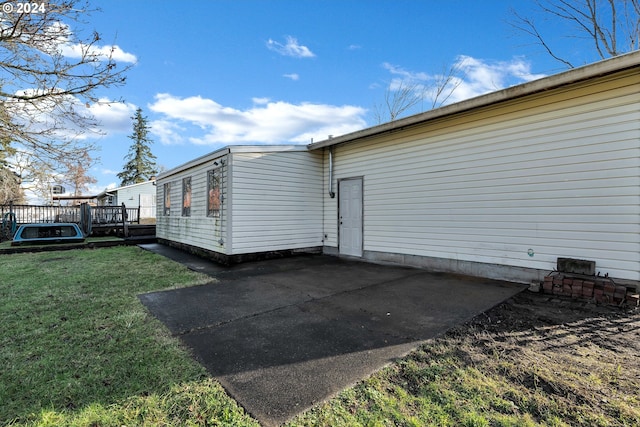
(331,193)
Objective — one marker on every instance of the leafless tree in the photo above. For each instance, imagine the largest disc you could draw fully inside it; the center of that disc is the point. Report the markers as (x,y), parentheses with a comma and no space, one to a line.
(77,175)
(397,100)
(611,26)
(10,190)
(401,96)
(445,83)
(39,179)
(49,73)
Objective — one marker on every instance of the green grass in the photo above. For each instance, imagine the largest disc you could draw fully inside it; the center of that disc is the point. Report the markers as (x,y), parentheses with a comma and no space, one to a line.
(78,348)
(6,244)
(470,379)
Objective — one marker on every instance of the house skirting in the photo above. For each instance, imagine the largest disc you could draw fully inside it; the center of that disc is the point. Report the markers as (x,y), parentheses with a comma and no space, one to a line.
(491,271)
(228,260)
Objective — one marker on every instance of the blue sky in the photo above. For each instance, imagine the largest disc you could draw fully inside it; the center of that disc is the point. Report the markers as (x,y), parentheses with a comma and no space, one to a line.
(214,73)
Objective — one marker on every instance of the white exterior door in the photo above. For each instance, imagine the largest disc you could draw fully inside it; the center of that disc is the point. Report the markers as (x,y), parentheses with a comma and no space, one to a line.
(350,217)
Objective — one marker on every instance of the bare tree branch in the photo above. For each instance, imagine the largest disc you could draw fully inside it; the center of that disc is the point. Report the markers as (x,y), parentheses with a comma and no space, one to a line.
(612,26)
(77,173)
(401,96)
(48,73)
(446,83)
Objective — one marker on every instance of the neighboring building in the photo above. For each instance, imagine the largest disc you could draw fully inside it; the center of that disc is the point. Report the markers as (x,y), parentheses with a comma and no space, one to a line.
(70,200)
(141,195)
(497,186)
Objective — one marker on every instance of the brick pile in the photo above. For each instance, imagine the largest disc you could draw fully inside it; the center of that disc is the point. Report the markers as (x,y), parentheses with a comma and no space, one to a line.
(599,289)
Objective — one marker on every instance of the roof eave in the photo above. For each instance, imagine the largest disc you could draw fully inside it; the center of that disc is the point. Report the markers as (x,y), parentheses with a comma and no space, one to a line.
(240,148)
(575,75)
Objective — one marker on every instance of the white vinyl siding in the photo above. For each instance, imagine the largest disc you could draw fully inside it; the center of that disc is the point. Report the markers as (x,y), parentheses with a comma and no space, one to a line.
(130,195)
(557,173)
(276,200)
(197,229)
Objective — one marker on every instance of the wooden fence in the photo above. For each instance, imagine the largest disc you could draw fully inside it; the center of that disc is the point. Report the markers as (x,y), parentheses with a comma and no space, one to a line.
(100,215)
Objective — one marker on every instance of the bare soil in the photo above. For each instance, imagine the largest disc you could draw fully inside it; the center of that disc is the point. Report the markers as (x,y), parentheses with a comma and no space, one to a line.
(574,358)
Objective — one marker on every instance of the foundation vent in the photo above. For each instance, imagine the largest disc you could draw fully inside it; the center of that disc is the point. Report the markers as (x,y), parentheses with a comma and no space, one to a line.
(576,266)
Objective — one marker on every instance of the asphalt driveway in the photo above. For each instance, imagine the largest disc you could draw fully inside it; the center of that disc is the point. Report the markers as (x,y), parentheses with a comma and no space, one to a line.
(286,334)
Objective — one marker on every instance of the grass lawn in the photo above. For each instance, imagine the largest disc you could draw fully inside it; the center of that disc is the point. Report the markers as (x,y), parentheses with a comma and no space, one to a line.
(77,348)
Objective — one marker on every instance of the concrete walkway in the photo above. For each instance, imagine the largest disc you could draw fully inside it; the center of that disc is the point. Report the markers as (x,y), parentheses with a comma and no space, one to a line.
(284,335)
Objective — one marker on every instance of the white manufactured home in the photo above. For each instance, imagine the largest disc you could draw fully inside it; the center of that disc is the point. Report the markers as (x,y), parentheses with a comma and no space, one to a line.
(243,201)
(141,195)
(499,186)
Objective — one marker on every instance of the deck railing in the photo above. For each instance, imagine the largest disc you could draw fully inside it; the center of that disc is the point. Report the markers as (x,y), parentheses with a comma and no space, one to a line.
(29,214)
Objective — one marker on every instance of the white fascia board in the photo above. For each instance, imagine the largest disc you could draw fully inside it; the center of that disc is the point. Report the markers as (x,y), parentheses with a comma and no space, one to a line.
(267,148)
(195,162)
(129,186)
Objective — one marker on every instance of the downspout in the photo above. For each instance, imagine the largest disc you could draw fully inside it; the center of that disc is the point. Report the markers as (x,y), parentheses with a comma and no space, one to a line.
(331,193)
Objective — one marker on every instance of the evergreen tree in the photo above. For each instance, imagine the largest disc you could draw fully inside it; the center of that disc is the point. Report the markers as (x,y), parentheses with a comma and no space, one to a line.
(141,163)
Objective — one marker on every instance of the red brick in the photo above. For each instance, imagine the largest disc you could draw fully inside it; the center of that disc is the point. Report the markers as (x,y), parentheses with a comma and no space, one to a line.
(567,281)
(609,289)
(578,282)
(633,299)
(566,289)
(548,279)
(587,292)
(598,294)
(547,287)
(588,284)
(557,280)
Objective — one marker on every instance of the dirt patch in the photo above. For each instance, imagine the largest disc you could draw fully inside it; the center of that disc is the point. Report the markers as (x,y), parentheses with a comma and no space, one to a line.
(575,359)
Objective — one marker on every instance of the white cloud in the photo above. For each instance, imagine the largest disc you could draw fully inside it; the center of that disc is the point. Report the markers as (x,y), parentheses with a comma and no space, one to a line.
(260,101)
(480,77)
(168,132)
(113,117)
(70,118)
(101,52)
(97,189)
(62,35)
(471,77)
(410,76)
(292,76)
(270,122)
(290,48)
